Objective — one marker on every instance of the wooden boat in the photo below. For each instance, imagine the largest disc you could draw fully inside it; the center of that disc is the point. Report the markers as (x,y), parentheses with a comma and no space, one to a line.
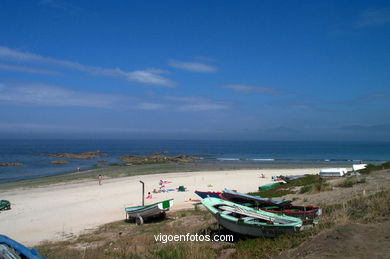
(306,213)
(139,213)
(290,178)
(208,194)
(250,200)
(9,248)
(248,221)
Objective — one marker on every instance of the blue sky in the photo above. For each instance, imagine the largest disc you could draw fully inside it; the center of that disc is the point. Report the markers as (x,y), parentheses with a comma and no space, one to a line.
(268,70)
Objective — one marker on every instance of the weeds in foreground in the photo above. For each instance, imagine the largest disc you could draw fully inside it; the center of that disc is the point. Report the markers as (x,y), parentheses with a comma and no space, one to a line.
(288,188)
(124,240)
(371,168)
(319,186)
(349,182)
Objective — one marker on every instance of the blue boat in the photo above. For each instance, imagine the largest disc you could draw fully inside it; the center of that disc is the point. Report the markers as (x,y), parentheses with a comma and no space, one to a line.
(9,248)
(208,194)
(242,198)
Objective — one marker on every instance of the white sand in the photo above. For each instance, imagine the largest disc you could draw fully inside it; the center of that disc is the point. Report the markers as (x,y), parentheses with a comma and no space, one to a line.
(57,212)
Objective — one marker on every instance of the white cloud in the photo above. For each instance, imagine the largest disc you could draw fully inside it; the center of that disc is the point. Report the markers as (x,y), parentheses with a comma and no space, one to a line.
(149,76)
(44,95)
(27,69)
(193,66)
(372,17)
(196,103)
(150,106)
(50,95)
(203,107)
(269,90)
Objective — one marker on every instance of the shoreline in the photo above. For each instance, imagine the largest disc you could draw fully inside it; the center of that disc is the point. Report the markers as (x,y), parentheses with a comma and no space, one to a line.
(61,211)
(146,169)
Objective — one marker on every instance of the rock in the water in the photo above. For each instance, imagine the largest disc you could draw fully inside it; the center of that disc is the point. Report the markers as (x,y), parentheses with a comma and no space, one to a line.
(157,159)
(60,162)
(85,155)
(11,164)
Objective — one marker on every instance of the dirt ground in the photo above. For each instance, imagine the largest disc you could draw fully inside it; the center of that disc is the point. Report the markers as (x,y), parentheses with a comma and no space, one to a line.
(375,182)
(347,241)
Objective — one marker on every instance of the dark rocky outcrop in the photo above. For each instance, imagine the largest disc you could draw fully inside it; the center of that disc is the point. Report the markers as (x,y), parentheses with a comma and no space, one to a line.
(11,164)
(157,159)
(85,155)
(60,162)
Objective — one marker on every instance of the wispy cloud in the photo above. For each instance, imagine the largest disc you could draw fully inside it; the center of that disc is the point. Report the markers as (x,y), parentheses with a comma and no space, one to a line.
(193,66)
(55,96)
(196,103)
(148,76)
(248,89)
(150,106)
(371,97)
(203,107)
(27,69)
(372,17)
(60,5)
(45,95)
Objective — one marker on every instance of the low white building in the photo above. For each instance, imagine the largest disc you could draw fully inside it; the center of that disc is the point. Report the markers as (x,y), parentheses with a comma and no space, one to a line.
(358,167)
(333,172)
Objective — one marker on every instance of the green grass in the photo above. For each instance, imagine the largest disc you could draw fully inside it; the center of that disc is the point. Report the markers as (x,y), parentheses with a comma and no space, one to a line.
(349,182)
(125,240)
(309,183)
(359,210)
(371,168)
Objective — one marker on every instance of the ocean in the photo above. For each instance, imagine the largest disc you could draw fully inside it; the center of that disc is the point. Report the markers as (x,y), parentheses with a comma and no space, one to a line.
(36,164)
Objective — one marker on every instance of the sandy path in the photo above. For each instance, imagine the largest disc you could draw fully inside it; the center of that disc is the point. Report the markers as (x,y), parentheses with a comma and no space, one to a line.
(58,211)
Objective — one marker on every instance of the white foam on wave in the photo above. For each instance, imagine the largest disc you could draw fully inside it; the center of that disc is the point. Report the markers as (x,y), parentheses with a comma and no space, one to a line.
(263,159)
(227,159)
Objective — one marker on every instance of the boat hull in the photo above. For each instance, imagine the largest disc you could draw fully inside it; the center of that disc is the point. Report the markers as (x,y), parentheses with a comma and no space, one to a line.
(242,228)
(153,210)
(204,195)
(248,221)
(241,198)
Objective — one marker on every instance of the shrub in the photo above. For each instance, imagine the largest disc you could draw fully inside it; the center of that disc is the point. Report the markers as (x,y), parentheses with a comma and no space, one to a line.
(349,182)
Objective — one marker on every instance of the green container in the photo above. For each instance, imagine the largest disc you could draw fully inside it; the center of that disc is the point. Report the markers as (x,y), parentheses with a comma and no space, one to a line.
(269,186)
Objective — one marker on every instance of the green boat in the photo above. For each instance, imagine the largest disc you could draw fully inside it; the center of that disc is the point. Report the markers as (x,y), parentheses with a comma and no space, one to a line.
(139,213)
(269,186)
(250,222)
(5,205)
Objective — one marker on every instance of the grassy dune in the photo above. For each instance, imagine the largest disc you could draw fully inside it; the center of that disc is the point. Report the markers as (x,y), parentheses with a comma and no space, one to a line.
(126,240)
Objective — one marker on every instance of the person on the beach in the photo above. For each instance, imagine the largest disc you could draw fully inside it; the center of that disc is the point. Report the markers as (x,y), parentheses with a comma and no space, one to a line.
(100,179)
(262,176)
(149,196)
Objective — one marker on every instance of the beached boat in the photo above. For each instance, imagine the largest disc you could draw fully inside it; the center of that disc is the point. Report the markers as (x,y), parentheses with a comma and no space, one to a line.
(208,194)
(306,213)
(250,222)
(270,186)
(290,178)
(249,200)
(139,213)
(9,248)
(5,205)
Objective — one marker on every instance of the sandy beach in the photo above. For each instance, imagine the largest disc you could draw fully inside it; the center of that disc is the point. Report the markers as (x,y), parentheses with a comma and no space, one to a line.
(60,211)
